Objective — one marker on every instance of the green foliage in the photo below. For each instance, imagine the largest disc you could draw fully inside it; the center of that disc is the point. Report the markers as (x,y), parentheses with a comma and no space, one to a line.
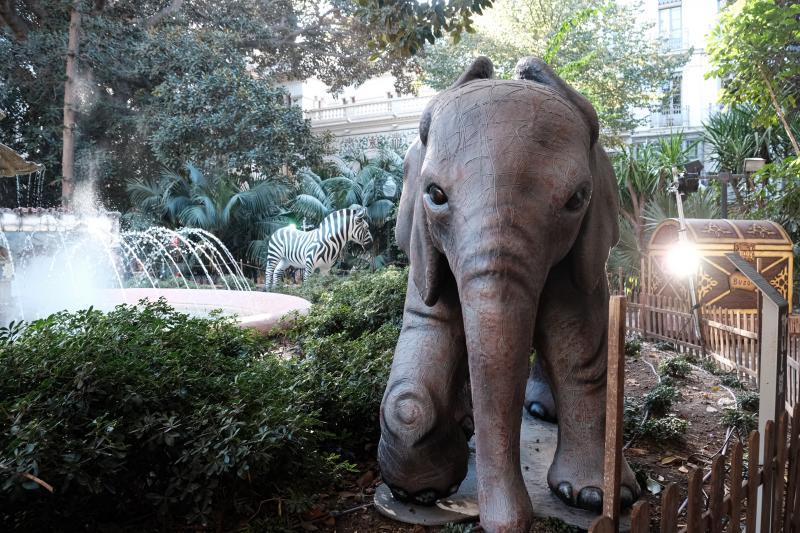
(457,528)
(675,367)
(730,379)
(633,345)
(659,399)
(591,45)
(632,412)
(237,209)
(406,25)
(748,401)
(161,83)
(668,428)
(371,179)
(759,67)
(146,410)
(742,421)
(347,341)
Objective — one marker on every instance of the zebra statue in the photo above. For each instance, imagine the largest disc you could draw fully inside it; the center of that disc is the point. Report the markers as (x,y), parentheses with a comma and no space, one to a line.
(315,249)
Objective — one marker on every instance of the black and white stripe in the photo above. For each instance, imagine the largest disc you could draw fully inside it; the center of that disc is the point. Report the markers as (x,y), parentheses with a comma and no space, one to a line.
(316,249)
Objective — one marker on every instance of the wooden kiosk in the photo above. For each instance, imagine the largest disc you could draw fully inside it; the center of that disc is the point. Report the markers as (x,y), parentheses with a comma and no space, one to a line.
(762,243)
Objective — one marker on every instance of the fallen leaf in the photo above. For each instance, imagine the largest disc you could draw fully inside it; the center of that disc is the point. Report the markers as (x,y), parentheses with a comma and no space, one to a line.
(308,526)
(683,469)
(636,451)
(710,409)
(669,459)
(653,486)
(347,494)
(660,478)
(366,479)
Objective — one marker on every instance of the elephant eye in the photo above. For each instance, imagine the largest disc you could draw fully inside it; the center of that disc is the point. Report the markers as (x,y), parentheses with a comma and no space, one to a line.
(577,200)
(437,195)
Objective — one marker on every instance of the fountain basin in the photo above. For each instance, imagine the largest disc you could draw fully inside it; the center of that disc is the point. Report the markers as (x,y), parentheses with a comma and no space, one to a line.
(258,310)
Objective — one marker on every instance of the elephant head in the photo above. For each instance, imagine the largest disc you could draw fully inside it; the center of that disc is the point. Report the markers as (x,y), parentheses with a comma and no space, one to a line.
(508,214)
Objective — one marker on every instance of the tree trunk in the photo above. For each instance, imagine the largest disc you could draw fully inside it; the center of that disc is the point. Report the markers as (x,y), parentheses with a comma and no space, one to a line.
(68,153)
(779,110)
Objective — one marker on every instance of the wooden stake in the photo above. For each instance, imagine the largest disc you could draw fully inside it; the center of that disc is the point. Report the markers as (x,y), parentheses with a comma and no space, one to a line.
(614,409)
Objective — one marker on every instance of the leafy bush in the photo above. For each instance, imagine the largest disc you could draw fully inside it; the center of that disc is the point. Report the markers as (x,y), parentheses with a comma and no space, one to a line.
(660,399)
(633,345)
(665,346)
(670,427)
(347,341)
(676,367)
(731,380)
(748,401)
(630,417)
(147,410)
(741,421)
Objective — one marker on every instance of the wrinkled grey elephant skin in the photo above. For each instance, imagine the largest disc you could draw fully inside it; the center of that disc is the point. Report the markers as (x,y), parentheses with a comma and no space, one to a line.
(508,214)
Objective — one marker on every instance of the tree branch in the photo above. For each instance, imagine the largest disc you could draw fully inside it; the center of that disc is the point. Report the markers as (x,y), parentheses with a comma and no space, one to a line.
(9,16)
(779,109)
(173,7)
(37,9)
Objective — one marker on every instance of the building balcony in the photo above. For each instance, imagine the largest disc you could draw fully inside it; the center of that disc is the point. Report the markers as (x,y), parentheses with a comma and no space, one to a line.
(673,118)
(390,108)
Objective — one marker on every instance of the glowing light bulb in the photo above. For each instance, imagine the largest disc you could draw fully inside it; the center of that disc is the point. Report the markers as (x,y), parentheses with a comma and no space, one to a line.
(682,259)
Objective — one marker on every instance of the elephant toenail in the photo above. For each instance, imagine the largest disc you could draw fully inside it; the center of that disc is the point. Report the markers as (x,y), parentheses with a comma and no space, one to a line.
(626,497)
(591,499)
(565,492)
(452,490)
(425,497)
(399,494)
(537,410)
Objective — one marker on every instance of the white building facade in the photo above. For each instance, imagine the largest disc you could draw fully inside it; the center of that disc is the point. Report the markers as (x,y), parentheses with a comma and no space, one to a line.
(373,114)
(682,26)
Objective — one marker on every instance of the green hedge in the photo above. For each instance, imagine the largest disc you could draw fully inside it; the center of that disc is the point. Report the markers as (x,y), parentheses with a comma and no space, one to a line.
(146,412)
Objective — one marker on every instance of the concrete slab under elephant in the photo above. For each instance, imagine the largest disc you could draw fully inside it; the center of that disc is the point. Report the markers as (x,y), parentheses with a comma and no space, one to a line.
(536,453)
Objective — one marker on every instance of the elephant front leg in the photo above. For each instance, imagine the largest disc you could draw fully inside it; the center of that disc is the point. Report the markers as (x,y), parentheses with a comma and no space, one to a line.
(539,401)
(426,419)
(571,336)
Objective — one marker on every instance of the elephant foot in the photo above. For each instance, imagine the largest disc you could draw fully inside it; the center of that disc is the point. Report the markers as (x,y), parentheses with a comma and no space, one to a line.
(423,457)
(539,400)
(505,507)
(578,488)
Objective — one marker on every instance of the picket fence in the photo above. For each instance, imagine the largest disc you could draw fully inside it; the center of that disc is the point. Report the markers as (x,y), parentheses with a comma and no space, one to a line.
(715,502)
(731,336)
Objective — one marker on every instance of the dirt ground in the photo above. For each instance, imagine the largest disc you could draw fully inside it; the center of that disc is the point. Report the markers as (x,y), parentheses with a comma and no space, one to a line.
(702,400)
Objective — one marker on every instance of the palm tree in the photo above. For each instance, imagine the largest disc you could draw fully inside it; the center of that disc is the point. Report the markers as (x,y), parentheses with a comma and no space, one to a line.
(236,210)
(371,179)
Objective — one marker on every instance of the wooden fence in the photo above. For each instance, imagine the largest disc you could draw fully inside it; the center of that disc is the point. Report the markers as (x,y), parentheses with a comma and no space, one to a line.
(717,502)
(731,336)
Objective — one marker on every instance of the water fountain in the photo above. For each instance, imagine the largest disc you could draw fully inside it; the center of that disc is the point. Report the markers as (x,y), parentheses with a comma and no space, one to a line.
(55,259)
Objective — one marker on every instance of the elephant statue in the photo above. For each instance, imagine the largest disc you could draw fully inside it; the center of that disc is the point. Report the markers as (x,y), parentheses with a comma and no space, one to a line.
(508,213)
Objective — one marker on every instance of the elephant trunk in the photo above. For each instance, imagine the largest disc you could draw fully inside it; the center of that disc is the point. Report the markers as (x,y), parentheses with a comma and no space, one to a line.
(499,307)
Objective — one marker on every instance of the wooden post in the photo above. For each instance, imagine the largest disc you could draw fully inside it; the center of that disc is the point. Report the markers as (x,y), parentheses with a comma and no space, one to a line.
(772,343)
(614,409)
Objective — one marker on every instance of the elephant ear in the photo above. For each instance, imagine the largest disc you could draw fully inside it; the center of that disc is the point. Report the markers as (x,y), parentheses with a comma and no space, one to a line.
(600,227)
(411,231)
(534,69)
(480,69)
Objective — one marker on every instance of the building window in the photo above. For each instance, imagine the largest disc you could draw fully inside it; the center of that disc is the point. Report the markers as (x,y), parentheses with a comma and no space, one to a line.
(671,96)
(669,27)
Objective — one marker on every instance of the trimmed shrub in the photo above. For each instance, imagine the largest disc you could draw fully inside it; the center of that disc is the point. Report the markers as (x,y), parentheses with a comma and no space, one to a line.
(675,367)
(633,345)
(748,401)
(741,421)
(659,400)
(147,410)
(731,380)
(671,427)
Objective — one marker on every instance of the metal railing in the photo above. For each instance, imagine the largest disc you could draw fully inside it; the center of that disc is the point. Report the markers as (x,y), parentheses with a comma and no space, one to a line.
(393,107)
